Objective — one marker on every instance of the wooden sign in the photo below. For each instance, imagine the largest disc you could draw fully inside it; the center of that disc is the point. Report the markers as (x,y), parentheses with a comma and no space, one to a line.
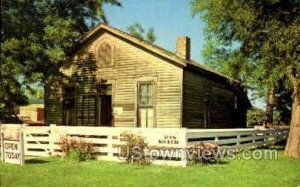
(12,150)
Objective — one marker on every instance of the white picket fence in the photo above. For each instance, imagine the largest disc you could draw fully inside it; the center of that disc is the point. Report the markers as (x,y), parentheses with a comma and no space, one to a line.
(44,141)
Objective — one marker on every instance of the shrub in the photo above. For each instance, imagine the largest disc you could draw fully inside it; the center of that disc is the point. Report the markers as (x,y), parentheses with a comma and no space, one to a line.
(76,149)
(133,150)
(255,116)
(203,152)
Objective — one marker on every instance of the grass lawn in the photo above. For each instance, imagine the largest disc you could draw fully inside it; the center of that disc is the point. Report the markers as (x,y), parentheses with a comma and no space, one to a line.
(56,172)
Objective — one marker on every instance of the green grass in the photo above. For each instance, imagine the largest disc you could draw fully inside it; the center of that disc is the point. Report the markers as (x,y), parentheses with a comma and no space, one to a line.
(56,172)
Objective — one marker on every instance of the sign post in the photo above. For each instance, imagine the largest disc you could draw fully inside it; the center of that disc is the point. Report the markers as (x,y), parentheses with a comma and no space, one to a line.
(12,149)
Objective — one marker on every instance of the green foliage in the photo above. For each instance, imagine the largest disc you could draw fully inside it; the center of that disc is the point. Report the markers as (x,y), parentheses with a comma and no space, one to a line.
(255,116)
(229,61)
(265,33)
(283,105)
(77,154)
(75,149)
(138,31)
(150,35)
(35,37)
(134,148)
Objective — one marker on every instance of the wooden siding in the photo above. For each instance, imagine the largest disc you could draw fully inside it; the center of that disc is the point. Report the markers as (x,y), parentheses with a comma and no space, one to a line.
(207,103)
(130,63)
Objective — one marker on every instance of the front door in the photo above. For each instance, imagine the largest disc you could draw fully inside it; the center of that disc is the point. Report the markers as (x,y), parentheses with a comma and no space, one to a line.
(104,105)
(105,110)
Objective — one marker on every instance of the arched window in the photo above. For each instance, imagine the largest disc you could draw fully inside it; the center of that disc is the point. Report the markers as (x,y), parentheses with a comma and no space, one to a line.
(104,54)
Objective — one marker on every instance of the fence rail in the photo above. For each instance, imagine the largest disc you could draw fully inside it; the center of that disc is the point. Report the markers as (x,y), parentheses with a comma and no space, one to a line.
(44,141)
(237,138)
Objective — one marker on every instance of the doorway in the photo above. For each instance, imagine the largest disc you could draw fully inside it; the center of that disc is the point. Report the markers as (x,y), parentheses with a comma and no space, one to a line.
(104,110)
(104,105)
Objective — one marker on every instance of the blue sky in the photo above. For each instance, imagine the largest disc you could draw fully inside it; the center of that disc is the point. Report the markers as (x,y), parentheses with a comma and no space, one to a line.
(169,18)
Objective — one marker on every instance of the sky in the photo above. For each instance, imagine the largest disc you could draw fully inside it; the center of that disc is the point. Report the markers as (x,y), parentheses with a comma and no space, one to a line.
(169,18)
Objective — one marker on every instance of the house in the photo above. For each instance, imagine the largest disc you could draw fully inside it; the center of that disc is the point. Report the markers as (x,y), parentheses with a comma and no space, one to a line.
(114,79)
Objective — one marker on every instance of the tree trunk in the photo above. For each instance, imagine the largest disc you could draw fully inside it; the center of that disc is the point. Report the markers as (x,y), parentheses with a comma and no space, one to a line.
(293,144)
(270,106)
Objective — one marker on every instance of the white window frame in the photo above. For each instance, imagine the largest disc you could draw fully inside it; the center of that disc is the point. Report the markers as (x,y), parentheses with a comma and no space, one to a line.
(138,81)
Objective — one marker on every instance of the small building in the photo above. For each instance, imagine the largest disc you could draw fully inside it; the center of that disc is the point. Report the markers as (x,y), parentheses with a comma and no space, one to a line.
(114,79)
(33,113)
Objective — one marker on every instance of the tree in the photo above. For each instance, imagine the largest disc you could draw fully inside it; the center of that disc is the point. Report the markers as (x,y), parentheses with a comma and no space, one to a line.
(227,60)
(35,38)
(283,105)
(231,61)
(138,31)
(269,35)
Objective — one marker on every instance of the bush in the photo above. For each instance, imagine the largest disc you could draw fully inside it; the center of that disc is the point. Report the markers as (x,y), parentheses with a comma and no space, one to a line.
(203,152)
(133,150)
(255,116)
(76,149)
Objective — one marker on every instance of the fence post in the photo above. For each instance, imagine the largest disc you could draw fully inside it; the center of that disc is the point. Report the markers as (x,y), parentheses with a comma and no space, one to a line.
(1,139)
(277,136)
(110,145)
(2,144)
(276,132)
(23,131)
(22,143)
(52,139)
(184,159)
(238,139)
(216,139)
(254,139)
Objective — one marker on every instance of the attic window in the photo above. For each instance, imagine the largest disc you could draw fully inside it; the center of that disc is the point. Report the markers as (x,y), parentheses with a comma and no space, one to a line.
(104,54)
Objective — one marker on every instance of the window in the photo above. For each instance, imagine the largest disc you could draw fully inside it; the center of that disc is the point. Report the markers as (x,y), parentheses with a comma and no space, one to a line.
(104,54)
(69,106)
(88,110)
(145,104)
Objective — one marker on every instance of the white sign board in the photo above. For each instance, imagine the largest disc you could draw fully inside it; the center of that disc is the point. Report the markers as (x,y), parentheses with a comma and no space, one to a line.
(118,110)
(13,150)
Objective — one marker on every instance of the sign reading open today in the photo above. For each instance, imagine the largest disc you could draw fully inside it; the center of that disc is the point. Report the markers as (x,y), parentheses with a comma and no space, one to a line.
(12,150)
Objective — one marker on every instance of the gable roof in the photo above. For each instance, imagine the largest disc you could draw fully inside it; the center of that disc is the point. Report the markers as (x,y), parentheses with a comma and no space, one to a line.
(151,47)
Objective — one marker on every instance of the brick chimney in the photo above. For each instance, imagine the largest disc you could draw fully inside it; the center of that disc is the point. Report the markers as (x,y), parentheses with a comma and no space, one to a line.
(183,46)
